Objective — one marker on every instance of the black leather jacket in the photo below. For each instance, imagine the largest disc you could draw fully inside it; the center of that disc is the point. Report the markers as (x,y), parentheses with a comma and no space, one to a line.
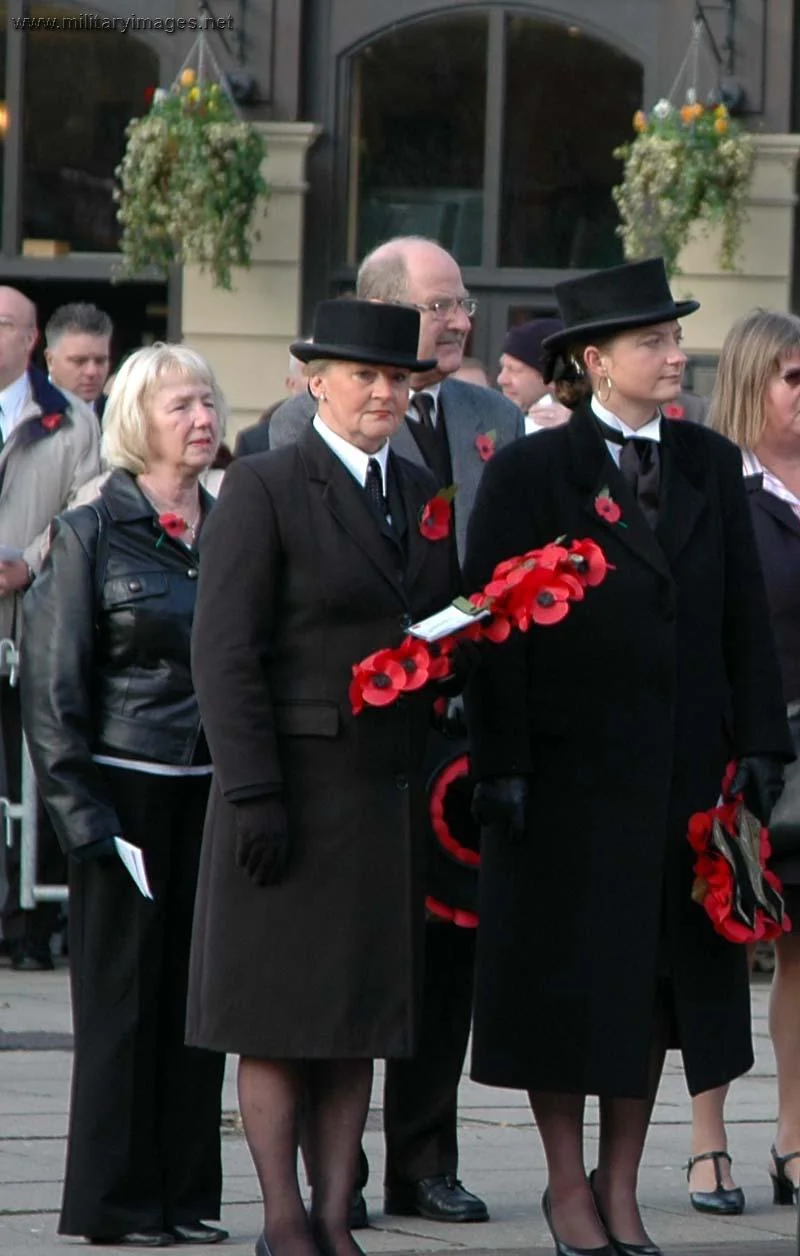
(106,656)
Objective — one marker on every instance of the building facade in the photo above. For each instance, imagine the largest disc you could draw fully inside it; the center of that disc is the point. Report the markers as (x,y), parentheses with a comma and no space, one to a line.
(487,125)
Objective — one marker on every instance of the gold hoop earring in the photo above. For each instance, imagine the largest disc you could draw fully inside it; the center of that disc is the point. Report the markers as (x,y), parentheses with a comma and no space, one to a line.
(609,385)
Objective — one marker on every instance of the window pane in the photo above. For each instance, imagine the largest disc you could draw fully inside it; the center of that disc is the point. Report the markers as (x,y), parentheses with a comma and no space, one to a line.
(81,89)
(417,134)
(569,102)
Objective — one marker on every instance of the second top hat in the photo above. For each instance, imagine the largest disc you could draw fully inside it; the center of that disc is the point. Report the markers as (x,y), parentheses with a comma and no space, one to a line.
(365,331)
(618,299)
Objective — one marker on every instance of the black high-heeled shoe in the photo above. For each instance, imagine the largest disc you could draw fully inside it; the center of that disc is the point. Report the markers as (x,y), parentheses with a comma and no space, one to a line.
(784,1190)
(618,1247)
(723,1201)
(563,1249)
(262,1246)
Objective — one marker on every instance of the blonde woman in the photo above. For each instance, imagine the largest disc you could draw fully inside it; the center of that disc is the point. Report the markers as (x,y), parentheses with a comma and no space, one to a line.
(114,729)
(756,403)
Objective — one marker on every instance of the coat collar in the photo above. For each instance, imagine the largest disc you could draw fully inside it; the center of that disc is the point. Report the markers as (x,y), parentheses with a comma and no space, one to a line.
(126,503)
(349,506)
(47,411)
(681,500)
(779,510)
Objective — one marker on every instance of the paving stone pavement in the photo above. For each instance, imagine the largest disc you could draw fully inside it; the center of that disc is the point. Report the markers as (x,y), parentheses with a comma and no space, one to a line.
(501,1157)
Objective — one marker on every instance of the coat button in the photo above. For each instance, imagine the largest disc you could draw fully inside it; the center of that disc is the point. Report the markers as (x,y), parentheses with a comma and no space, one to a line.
(406,621)
(134,585)
(192,573)
(401,782)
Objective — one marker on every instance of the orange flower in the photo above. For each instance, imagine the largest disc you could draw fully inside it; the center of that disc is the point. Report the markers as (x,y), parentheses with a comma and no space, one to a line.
(690,113)
(721,126)
(640,120)
(188,78)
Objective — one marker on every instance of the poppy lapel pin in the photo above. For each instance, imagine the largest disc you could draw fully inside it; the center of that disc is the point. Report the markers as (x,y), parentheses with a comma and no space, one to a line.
(52,422)
(485,443)
(606,507)
(436,516)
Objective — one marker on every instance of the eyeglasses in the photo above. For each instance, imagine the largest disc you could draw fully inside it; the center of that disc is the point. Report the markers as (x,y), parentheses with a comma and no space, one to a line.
(446,306)
(791,377)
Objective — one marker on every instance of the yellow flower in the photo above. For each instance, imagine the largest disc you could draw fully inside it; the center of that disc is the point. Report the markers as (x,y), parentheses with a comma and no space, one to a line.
(720,111)
(194,94)
(640,120)
(187,78)
(721,125)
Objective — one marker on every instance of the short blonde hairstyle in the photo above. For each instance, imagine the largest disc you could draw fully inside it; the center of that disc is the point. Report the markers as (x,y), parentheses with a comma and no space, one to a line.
(753,351)
(126,421)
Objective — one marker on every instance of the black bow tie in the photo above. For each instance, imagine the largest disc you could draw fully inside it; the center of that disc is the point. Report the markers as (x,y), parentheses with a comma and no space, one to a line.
(640,466)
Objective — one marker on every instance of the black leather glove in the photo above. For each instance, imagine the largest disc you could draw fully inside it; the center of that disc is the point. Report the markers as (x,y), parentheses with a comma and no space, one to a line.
(262,838)
(759,779)
(499,804)
(104,848)
(463,661)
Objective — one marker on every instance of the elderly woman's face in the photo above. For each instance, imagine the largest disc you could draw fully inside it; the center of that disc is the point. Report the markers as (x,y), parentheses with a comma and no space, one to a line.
(183,424)
(782,406)
(364,404)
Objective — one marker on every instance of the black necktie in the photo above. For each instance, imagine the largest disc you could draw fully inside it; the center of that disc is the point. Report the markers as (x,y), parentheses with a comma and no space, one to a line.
(640,465)
(374,488)
(424,405)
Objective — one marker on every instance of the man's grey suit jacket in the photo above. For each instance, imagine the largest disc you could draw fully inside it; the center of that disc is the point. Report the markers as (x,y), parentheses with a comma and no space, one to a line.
(469,412)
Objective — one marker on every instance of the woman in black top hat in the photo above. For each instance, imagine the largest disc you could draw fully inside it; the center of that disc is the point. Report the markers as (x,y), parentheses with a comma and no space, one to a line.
(309,921)
(594,743)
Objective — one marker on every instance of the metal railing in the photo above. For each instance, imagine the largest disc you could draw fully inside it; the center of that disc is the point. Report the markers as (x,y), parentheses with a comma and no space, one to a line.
(20,819)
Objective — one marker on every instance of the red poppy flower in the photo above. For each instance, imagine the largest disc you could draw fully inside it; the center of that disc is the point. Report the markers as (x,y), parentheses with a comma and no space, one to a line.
(496,629)
(378,680)
(550,605)
(607,508)
(50,422)
(173,525)
(485,445)
(439,653)
(673,410)
(413,657)
(434,521)
(588,561)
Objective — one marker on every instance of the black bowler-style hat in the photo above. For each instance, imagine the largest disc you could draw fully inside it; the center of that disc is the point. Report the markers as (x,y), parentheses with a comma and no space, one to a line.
(348,330)
(618,299)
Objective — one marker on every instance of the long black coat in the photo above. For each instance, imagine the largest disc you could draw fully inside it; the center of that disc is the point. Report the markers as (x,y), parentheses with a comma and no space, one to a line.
(625,715)
(297,585)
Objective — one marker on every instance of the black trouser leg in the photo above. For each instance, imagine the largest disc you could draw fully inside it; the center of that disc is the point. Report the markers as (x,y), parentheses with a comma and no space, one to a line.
(142,1103)
(37,925)
(420,1098)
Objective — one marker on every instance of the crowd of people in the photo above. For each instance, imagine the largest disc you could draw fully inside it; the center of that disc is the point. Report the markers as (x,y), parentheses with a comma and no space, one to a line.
(252,863)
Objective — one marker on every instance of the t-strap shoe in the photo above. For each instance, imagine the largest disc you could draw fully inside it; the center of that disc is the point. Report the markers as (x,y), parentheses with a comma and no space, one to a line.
(784,1190)
(723,1201)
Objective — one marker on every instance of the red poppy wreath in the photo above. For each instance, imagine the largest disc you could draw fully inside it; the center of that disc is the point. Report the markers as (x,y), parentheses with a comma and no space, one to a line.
(534,588)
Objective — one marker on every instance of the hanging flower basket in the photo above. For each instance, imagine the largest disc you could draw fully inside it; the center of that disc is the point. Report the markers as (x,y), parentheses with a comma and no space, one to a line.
(687,166)
(189,182)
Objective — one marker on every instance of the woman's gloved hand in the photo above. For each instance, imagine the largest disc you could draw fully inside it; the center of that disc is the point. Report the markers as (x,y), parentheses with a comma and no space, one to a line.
(759,779)
(262,838)
(499,803)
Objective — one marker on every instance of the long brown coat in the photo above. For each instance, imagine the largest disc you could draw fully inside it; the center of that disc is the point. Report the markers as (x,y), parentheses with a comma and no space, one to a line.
(297,585)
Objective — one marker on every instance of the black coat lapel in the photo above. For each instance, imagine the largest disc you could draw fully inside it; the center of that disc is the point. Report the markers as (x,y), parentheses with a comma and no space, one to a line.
(414,499)
(349,506)
(781,511)
(682,501)
(598,474)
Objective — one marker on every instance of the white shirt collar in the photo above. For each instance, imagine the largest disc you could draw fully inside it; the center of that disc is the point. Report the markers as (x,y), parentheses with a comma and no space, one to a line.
(13,401)
(433,391)
(354,459)
(650,431)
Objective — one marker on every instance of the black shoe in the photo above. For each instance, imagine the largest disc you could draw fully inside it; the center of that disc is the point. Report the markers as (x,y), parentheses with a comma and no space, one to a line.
(197,1232)
(358,1219)
(440,1198)
(721,1201)
(620,1248)
(262,1246)
(563,1249)
(136,1238)
(784,1190)
(31,957)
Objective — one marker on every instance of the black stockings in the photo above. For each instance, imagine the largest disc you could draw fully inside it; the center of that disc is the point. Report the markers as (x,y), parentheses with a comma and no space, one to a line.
(333,1096)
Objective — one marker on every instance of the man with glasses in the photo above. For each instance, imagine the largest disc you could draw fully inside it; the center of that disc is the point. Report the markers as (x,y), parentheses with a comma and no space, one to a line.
(453,427)
(49,447)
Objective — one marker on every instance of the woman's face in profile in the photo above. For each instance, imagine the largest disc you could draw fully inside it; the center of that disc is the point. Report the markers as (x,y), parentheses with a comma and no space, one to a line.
(363,404)
(183,427)
(647,363)
(782,405)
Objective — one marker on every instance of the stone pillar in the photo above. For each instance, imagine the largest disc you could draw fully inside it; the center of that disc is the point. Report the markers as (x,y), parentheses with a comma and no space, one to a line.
(767,257)
(245,333)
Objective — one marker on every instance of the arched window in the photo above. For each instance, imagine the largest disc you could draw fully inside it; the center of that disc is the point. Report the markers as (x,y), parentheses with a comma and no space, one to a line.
(82,86)
(498,145)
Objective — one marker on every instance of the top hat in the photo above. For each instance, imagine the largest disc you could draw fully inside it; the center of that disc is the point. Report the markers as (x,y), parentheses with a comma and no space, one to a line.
(525,342)
(614,300)
(348,330)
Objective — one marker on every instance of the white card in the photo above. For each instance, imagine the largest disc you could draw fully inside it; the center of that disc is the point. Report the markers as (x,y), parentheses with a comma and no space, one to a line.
(449,620)
(133,859)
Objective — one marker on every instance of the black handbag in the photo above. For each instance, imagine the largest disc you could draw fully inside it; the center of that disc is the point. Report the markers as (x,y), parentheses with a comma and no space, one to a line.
(784,823)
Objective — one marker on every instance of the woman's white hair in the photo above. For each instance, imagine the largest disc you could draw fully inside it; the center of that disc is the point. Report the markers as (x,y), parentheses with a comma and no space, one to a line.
(126,421)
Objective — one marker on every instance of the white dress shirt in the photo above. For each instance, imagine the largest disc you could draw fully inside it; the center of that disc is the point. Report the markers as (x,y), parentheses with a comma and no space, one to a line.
(13,401)
(650,430)
(433,391)
(354,459)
